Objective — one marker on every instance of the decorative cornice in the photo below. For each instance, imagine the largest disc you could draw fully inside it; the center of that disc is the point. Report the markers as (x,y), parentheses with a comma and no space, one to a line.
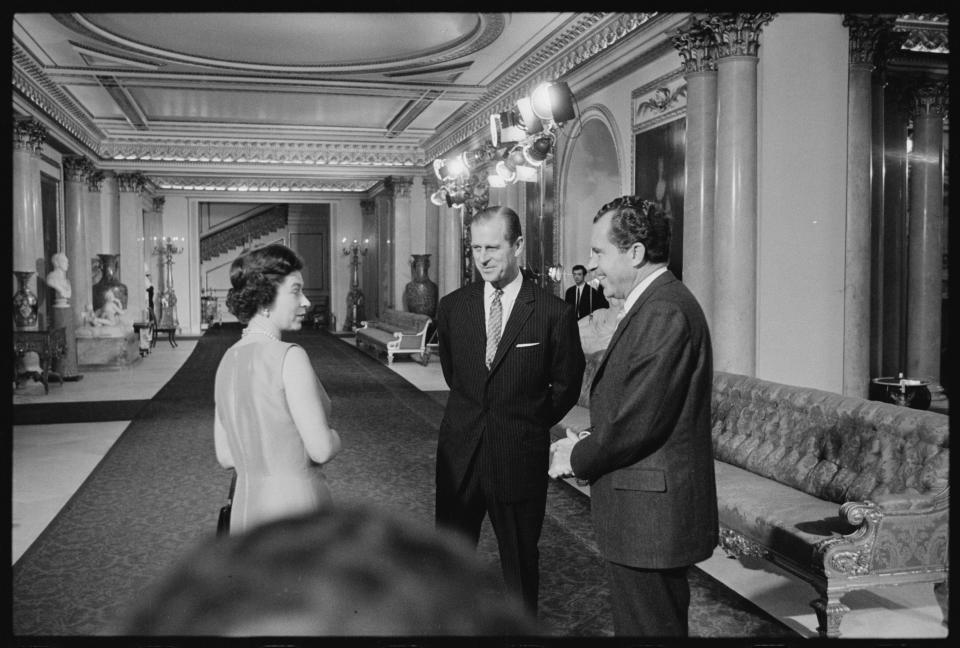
(866,31)
(927,33)
(28,134)
(77,168)
(259,184)
(737,34)
(31,82)
(582,39)
(697,47)
(237,151)
(931,98)
(131,182)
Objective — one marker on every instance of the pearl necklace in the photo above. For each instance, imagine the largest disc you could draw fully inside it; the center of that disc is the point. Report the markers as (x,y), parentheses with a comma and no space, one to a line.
(248,331)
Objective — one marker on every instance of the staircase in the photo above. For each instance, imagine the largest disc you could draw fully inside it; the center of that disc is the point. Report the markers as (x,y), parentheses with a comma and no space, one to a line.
(241,231)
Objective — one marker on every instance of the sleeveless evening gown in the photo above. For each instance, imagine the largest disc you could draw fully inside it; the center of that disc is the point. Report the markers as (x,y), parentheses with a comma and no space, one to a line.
(275,475)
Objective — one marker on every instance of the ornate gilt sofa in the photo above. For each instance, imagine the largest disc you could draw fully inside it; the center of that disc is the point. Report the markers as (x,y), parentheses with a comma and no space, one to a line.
(842,492)
(396,332)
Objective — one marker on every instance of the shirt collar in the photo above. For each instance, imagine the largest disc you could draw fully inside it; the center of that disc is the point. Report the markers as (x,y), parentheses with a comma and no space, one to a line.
(510,291)
(640,287)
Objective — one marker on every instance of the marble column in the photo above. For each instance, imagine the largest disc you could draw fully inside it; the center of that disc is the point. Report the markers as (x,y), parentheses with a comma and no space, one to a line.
(109,215)
(402,238)
(736,37)
(864,34)
(696,48)
(131,186)
(925,246)
(76,173)
(94,232)
(29,136)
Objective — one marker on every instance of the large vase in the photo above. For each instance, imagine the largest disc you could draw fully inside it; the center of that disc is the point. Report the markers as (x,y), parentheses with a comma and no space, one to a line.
(109,282)
(24,301)
(420,295)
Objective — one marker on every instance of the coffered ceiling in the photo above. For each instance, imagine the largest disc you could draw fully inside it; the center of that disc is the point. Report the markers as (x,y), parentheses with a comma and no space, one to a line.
(330,101)
(309,101)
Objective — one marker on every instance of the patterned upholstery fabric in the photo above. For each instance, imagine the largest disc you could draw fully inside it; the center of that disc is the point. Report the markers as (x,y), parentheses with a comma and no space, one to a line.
(833,447)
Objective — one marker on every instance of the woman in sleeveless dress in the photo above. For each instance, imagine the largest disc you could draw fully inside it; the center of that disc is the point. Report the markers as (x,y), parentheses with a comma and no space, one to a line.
(271,421)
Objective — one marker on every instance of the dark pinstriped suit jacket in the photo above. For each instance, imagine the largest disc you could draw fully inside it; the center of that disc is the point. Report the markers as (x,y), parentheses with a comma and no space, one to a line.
(650,458)
(534,380)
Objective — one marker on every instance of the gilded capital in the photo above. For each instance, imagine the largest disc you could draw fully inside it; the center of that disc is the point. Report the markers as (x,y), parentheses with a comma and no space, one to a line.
(76,168)
(737,34)
(95,180)
(865,34)
(28,134)
(696,47)
(930,99)
(367,207)
(401,187)
(131,182)
(158,203)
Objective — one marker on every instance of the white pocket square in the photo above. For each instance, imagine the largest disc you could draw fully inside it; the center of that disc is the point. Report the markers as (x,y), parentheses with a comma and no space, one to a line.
(527,344)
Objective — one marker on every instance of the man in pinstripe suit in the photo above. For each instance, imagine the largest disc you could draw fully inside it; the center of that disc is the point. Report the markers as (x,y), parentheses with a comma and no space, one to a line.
(511,355)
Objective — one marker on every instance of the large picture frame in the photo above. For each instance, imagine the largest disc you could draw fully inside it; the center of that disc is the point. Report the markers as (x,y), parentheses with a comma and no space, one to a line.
(659,153)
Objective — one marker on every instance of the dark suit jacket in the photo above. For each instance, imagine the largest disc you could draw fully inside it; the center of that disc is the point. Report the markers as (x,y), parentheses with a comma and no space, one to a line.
(650,457)
(591,300)
(533,381)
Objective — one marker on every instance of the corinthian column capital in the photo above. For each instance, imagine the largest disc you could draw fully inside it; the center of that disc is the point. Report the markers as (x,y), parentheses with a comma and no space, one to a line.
(95,180)
(696,46)
(737,34)
(131,182)
(367,206)
(77,168)
(28,134)
(865,33)
(401,187)
(930,98)
(158,203)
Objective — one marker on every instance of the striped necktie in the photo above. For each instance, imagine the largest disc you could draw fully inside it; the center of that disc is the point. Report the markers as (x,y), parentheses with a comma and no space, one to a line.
(493,326)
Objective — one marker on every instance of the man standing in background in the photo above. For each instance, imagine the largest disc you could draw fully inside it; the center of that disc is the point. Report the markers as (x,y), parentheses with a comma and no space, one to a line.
(582,296)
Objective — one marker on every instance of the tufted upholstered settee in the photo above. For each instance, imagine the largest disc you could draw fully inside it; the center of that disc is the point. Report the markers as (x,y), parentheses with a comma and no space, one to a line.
(842,492)
(396,332)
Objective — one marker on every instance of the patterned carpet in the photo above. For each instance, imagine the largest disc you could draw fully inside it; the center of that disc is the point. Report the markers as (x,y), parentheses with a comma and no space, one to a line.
(158,490)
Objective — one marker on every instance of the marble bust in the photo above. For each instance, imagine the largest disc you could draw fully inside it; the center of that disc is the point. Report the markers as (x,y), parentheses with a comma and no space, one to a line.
(57,279)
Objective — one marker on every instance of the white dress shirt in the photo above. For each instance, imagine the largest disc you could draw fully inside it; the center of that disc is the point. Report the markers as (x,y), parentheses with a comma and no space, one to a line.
(507,299)
(638,290)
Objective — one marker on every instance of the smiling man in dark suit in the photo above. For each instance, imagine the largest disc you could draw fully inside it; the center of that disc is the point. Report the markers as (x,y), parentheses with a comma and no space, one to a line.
(649,458)
(510,353)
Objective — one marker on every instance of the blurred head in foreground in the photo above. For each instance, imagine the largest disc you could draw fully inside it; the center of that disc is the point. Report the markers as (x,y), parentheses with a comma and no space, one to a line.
(347,570)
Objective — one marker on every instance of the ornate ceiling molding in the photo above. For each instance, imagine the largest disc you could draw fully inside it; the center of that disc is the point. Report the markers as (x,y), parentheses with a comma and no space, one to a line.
(261,152)
(581,39)
(258,184)
(29,80)
(928,33)
(488,29)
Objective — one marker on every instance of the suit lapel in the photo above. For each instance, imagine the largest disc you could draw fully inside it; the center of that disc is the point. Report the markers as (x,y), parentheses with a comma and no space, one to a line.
(662,280)
(522,309)
(476,318)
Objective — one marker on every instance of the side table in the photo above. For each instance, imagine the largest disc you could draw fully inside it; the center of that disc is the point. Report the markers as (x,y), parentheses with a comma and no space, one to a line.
(171,335)
(49,345)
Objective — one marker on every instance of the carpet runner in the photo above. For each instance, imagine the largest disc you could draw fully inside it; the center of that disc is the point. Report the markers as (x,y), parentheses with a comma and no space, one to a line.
(158,490)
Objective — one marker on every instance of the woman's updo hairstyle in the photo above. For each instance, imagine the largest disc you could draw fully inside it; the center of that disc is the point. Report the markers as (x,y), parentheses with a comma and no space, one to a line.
(255,276)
